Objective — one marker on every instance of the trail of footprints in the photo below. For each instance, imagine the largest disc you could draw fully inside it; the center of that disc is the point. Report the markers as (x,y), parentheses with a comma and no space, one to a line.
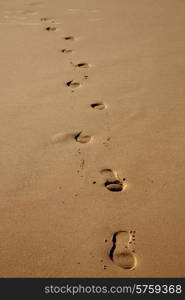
(122,253)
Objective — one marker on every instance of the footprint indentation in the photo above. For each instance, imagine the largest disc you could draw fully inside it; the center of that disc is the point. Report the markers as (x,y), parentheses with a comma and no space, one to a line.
(121,253)
(66,50)
(114,186)
(82,138)
(99,106)
(69,37)
(83,65)
(73,84)
(50,28)
(112,181)
(44,19)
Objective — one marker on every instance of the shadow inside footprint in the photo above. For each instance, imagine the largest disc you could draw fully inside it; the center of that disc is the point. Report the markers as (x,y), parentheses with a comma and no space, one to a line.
(99,106)
(112,183)
(82,138)
(120,253)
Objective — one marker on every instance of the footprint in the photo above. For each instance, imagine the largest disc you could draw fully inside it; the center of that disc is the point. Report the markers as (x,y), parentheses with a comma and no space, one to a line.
(73,84)
(48,20)
(121,253)
(98,105)
(67,137)
(66,50)
(69,37)
(83,65)
(82,138)
(112,181)
(50,28)
(44,19)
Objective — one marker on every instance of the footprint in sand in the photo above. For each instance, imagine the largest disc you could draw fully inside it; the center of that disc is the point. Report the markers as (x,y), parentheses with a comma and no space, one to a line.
(69,38)
(46,19)
(83,65)
(50,28)
(98,105)
(112,181)
(121,253)
(83,138)
(80,137)
(66,51)
(73,84)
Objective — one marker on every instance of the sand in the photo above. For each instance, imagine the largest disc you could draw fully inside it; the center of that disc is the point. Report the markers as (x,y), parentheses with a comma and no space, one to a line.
(92,138)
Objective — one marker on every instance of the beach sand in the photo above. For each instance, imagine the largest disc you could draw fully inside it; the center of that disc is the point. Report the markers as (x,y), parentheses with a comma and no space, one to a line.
(92,139)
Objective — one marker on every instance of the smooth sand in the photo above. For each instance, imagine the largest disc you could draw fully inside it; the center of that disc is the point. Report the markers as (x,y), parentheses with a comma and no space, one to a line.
(57,218)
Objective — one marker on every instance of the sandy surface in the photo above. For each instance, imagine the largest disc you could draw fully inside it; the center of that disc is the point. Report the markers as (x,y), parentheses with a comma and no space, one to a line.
(57,217)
